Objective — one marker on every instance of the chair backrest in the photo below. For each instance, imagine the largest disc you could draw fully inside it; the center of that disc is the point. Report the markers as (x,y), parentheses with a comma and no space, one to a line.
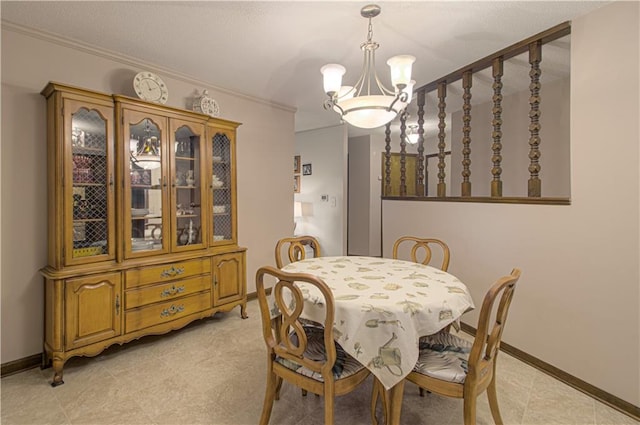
(295,248)
(282,329)
(426,244)
(489,332)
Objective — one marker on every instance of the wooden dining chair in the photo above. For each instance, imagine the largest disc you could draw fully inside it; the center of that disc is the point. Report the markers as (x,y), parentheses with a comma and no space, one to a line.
(451,366)
(307,357)
(295,248)
(426,244)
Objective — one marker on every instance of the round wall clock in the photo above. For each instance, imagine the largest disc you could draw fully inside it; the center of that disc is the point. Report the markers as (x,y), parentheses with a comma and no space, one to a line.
(149,86)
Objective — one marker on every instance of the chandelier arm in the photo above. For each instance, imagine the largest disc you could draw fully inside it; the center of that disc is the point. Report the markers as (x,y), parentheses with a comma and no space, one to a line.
(402,97)
(333,104)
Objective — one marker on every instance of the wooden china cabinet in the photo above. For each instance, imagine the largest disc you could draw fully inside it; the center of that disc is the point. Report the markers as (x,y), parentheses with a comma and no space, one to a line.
(142,233)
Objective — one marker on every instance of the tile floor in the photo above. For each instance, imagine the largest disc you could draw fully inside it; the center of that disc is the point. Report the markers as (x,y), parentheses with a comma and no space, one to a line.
(213,372)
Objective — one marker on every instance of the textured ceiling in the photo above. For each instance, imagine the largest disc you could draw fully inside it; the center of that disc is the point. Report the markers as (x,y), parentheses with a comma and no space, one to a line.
(274,50)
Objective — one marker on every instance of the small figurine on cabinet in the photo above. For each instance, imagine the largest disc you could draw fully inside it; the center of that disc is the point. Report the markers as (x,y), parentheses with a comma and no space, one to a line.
(191,180)
(180,178)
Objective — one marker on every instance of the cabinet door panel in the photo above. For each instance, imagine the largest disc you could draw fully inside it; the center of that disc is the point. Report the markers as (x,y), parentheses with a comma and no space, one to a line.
(89,198)
(223,182)
(146,200)
(92,309)
(228,278)
(188,185)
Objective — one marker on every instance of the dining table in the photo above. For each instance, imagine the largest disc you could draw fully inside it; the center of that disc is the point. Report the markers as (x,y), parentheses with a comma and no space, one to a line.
(382,308)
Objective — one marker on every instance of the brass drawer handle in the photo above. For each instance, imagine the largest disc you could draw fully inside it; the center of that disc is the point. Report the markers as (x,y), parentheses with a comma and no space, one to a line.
(168,292)
(173,271)
(171,311)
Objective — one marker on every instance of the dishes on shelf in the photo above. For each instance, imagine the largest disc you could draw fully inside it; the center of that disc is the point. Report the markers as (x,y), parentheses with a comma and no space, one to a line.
(217,183)
(139,212)
(217,159)
(87,252)
(218,237)
(139,244)
(219,209)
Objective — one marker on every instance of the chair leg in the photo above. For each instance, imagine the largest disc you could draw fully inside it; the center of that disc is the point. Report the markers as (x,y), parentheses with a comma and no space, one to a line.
(269,397)
(492,394)
(304,393)
(329,399)
(470,409)
(374,401)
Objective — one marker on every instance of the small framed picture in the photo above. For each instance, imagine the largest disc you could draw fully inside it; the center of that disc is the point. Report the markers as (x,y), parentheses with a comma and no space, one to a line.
(306,169)
(296,184)
(296,164)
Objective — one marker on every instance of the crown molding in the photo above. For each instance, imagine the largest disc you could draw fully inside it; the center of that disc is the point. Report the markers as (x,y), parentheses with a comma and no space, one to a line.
(133,62)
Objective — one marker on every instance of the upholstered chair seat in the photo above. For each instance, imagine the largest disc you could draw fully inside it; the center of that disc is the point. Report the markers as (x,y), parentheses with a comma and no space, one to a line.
(444,356)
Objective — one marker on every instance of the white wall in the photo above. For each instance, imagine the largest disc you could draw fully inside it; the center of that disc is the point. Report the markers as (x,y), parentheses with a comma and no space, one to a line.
(326,150)
(265,145)
(359,213)
(578,302)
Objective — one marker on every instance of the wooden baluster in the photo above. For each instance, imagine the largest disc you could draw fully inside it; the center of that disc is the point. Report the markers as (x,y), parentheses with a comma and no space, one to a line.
(403,153)
(442,94)
(496,183)
(420,183)
(387,160)
(535,57)
(466,133)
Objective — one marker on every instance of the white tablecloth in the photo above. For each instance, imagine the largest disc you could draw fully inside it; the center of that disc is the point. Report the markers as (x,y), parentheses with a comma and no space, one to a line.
(383,306)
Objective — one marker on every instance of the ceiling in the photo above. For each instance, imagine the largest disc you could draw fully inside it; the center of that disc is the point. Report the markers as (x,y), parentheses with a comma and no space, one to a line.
(274,50)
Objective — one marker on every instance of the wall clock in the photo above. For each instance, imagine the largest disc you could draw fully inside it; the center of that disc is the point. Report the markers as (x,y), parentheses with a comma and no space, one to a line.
(150,87)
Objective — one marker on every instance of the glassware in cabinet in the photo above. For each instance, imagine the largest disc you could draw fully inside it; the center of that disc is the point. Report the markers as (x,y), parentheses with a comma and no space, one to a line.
(188,185)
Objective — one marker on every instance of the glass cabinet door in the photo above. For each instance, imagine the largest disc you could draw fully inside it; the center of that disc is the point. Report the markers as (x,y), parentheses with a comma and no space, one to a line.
(146,185)
(188,183)
(89,188)
(223,229)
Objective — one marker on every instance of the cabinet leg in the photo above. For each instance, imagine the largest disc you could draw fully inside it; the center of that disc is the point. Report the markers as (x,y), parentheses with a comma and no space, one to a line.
(57,372)
(46,360)
(243,311)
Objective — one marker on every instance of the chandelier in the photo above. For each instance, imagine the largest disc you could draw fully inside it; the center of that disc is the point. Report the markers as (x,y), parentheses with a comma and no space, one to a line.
(145,155)
(361,105)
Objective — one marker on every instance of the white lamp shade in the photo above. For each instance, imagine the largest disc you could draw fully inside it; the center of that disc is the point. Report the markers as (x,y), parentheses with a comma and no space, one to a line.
(412,135)
(370,111)
(401,69)
(332,77)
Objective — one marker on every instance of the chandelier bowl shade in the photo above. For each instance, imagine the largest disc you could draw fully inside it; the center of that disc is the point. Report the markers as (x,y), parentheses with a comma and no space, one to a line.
(148,157)
(370,111)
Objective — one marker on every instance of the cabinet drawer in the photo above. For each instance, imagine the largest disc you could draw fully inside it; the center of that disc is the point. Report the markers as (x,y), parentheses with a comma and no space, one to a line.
(155,314)
(166,272)
(166,291)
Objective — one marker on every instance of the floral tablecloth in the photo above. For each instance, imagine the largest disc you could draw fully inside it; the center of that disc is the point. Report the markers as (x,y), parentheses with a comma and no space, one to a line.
(383,306)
